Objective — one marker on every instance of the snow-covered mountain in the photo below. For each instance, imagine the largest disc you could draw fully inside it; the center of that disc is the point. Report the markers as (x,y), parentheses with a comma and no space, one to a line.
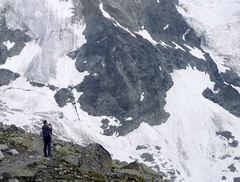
(152,80)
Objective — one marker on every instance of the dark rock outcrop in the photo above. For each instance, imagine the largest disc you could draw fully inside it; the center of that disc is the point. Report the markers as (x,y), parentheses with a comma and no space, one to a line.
(6,76)
(95,158)
(227,97)
(236,179)
(123,65)
(63,96)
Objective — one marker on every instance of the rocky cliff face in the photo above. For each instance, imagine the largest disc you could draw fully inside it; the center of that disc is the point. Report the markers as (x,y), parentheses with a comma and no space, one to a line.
(123,65)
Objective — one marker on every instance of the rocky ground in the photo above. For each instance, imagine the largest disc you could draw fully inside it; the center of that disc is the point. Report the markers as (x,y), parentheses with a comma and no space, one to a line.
(21,159)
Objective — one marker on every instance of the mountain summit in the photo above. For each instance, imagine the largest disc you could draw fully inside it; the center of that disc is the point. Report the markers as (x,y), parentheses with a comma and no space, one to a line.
(140,77)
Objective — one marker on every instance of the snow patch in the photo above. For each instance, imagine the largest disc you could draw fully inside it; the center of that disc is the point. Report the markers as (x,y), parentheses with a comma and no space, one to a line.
(105,14)
(196,52)
(129,119)
(66,73)
(178,46)
(166,27)
(164,44)
(8,44)
(184,36)
(145,34)
(142,95)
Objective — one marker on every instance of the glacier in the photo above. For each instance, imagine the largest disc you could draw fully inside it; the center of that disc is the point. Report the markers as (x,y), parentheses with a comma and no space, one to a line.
(217,23)
(191,146)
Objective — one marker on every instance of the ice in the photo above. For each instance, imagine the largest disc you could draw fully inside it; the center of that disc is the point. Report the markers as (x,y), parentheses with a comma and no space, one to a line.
(20,63)
(219,60)
(217,22)
(53,34)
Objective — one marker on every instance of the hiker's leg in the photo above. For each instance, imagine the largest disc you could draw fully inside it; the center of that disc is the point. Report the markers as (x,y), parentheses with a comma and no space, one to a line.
(45,148)
(49,148)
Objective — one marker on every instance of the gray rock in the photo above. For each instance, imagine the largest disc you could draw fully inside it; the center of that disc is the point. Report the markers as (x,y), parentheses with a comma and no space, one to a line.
(13,152)
(18,140)
(237,179)
(58,148)
(3,147)
(232,168)
(63,96)
(140,169)
(13,180)
(147,157)
(6,76)
(95,158)
(72,160)
(1,155)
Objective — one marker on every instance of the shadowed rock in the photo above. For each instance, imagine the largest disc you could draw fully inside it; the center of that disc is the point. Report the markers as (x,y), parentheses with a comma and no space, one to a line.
(63,96)
(7,76)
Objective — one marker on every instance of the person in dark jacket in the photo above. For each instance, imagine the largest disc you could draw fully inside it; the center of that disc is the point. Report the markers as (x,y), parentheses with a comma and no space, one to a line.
(46,130)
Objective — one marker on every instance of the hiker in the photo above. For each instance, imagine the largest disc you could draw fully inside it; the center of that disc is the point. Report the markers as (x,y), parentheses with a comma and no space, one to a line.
(46,130)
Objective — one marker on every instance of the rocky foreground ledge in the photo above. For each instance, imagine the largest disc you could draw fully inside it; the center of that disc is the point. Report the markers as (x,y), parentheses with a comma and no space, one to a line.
(21,160)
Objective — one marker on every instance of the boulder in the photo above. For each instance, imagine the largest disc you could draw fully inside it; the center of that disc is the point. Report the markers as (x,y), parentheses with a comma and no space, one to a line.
(24,142)
(13,152)
(1,155)
(95,158)
(18,140)
(13,180)
(58,148)
(3,147)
